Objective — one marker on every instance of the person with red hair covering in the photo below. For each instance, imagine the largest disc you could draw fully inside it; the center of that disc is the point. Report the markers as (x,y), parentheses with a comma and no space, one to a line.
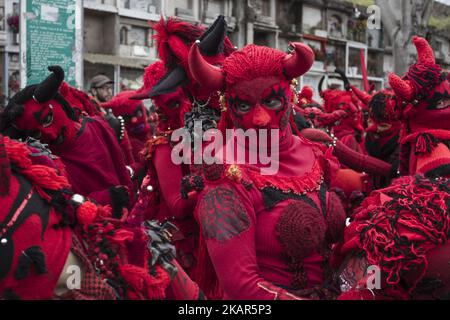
(313,111)
(88,148)
(169,84)
(135,116)
(265,236)
(424,110)
(46,231)
(159,196)
(84,106)
(350,129)
(382,133)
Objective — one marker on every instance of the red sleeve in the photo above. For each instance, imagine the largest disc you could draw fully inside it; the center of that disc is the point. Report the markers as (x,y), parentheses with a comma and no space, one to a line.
(169,178)
(227,221)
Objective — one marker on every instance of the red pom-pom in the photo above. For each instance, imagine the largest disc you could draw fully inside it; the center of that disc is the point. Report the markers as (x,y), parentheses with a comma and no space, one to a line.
(86,213)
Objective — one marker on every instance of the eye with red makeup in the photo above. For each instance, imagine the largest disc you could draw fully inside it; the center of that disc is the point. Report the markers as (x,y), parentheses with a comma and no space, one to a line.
(47,122)
(260,103)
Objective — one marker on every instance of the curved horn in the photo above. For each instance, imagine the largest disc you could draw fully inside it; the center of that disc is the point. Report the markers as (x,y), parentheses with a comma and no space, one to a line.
(299,61)
(211,42)
(424,51)
(361,95)
(319,86)
(169,83)
(204,73)
(344,78)
(48,88)
(401,87)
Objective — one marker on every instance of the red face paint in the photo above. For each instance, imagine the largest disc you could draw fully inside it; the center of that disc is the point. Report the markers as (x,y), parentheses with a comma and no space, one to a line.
(261,103)
(137,121)
(433,111)
(172,107)
(47,122)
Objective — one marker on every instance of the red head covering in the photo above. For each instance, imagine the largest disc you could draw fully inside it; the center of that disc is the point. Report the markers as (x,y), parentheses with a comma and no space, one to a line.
(424,91)
(174,39)
(425,96)
(78,99)
(248,74)
(171,103)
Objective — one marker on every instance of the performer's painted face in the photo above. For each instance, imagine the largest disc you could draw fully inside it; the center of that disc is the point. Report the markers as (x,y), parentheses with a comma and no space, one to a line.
(136,120)
(171,106)
(433,111)
(261,103)
(47,122)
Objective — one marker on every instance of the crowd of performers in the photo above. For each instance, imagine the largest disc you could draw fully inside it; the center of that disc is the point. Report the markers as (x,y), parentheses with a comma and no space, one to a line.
(362,182)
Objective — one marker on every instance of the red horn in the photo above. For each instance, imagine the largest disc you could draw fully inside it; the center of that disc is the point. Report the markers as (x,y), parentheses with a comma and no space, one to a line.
(402,88)
(361,95)
(204,73)
(299,61)
(424,51)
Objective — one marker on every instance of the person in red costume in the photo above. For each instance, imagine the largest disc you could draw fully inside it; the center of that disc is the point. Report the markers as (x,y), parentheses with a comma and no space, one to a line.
(350,129)
(84,106)
(277,228)
(160,196)
(424,110)
(382,133)
(48,233)
(89,150)
(167,84)
(313,112)
(135,116)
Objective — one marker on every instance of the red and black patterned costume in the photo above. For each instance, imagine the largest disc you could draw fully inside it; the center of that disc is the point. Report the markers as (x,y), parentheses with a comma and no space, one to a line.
(42,225)
(424,109)
(403,230)
(88,147)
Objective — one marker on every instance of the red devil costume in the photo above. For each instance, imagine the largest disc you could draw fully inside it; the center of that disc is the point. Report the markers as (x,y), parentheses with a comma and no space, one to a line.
(167,84)
(350,129)
(37,244)
(424,96)
(402,230)
(276,227)
(135,116)
(313,112)
(89,150)
(382,133)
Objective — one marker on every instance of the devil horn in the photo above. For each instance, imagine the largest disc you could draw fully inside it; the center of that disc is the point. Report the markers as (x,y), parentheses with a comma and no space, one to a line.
(320,85)
(175,78)
(211,42)
(424,51)
(204,73)
(47,89)
(344,78)
(402,88)
(361,95)
(299,61)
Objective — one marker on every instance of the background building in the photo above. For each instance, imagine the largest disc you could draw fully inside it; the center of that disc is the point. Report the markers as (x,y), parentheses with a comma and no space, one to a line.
(118,40)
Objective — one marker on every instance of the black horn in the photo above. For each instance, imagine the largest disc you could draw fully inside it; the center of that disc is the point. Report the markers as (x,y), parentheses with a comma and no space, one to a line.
(344,79)
(170,82)
(48,88)
(319,87)
(212,41)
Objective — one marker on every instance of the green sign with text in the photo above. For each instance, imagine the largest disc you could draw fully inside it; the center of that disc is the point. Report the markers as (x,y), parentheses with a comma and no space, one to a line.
(51,39)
